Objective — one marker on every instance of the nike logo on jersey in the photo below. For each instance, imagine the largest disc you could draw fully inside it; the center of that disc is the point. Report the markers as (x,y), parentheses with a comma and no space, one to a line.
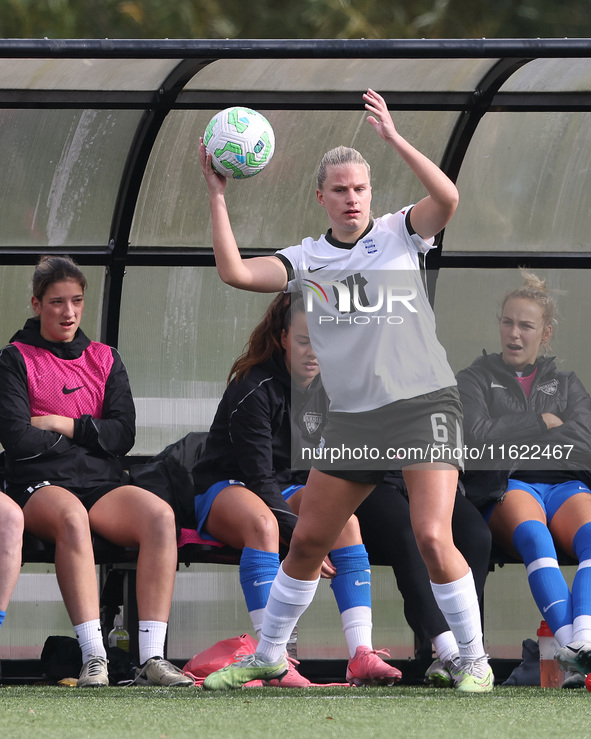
(258,584)
(364,582)
(316,269)
(547,608)
(496,384)
(68,390)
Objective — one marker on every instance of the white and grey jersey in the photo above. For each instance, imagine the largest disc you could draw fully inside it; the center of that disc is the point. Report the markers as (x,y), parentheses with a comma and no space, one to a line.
(371,325)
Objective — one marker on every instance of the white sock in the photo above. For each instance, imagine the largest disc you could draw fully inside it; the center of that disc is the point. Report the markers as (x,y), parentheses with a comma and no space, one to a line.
(564,635)
(288,599)
(90,638)
(256,617)
(151,637)
(581,629)
(458,602)
(357,627)
(445,645)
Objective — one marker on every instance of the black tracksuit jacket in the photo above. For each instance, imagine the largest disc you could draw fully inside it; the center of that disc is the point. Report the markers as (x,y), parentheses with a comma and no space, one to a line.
(497,412)
(259,419)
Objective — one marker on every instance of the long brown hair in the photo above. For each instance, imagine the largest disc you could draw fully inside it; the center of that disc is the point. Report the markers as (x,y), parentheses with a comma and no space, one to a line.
(265,340)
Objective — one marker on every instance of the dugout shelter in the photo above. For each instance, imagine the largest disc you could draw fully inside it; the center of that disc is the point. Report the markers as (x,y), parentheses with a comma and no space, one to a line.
(98,146)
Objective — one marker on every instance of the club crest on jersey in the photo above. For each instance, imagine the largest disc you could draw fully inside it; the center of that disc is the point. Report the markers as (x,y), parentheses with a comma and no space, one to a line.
(549,388)
(312,421)
(370,246)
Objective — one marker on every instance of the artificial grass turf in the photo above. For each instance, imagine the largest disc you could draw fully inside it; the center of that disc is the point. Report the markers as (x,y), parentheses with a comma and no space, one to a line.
(174,713)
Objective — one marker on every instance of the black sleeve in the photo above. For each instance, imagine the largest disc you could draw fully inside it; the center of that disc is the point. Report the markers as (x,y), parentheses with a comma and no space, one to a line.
(480,427)
(288,266)
(114,433)
(576,420)
(19,438)
(251,432)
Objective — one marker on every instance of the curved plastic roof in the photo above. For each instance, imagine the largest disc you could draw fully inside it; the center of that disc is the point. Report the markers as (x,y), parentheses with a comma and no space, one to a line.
(99,160)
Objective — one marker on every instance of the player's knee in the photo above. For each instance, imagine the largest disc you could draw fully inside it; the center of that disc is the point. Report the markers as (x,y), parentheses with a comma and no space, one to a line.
(433,545)
(12,524)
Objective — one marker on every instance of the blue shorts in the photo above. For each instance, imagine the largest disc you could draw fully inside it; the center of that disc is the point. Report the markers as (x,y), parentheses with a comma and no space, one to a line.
(549,496)
(204,502)
(291,490)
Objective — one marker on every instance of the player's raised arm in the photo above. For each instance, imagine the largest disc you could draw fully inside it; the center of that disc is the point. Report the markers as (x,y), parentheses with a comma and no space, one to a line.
(431,214)
(258,274)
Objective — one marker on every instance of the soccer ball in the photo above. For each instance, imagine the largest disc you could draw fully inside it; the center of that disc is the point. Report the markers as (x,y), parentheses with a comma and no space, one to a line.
(241,142)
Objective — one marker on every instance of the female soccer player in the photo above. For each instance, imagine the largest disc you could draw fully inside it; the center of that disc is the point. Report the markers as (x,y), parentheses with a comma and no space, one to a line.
(66,415)
(518,398)
(392,393)
(246,496)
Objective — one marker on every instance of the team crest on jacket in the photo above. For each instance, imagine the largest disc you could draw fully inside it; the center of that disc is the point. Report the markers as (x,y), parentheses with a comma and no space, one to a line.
(549,388)
(312,421)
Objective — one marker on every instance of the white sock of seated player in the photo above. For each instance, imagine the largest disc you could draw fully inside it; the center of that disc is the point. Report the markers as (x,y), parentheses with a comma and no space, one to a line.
(90,638)
(288,599)
(458,602)
(151,638)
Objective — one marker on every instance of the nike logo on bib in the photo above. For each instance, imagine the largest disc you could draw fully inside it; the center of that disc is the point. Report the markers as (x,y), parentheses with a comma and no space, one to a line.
(68,390)
(496,384)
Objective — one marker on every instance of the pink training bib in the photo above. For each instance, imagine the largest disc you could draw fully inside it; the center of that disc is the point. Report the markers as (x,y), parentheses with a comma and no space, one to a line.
(67,387)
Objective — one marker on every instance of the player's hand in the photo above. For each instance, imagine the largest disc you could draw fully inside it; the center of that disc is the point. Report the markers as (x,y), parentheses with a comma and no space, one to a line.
(552,421)
(328,570)
(381,119)
(215,182)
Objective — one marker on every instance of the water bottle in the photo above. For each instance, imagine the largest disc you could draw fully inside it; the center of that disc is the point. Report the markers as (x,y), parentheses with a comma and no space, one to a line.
(118,636)
(551,676)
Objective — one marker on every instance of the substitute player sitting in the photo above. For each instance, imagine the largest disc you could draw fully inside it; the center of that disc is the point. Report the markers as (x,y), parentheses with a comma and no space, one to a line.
(539,492)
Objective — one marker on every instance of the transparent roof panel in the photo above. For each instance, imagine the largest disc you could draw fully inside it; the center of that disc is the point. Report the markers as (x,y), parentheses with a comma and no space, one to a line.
(278,206)
(59,175)
(196,326)
(524,185)
(341,74)
(84,74)
(551,75)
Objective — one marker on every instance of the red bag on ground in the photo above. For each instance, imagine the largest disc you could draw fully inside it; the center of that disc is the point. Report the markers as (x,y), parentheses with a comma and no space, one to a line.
(221,654)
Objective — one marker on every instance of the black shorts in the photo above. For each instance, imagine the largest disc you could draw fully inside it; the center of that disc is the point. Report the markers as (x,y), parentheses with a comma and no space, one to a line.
(362,447)
(87,496)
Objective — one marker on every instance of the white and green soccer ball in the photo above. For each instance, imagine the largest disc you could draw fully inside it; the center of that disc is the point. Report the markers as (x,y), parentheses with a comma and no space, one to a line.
(241,142)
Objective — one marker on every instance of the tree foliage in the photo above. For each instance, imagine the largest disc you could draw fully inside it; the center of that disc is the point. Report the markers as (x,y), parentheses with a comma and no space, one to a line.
(291,20)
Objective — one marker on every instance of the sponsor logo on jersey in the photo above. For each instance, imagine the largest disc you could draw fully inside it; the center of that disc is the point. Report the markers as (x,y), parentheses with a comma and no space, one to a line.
(496,384)
(549,388)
